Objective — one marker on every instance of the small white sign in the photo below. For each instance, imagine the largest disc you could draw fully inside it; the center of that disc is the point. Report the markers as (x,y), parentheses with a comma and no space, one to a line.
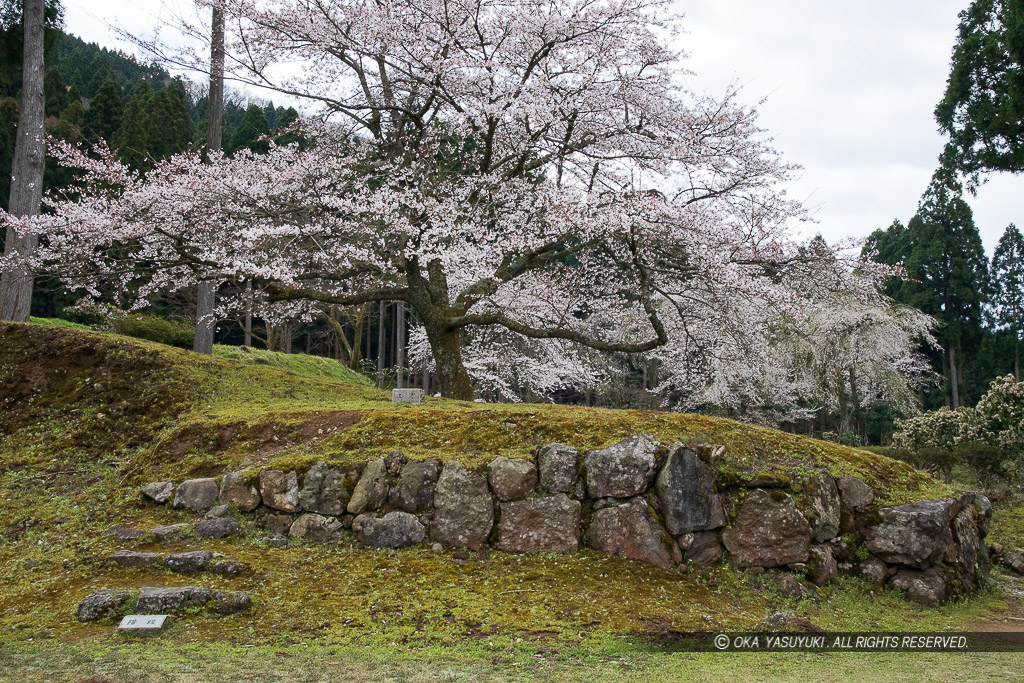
(407,396)
(143,622)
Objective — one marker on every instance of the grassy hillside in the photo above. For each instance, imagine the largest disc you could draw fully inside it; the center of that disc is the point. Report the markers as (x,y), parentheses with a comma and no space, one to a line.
(73,394)
(88,417)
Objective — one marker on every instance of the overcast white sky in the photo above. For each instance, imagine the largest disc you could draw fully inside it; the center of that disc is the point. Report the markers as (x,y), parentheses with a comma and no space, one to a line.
(851,88)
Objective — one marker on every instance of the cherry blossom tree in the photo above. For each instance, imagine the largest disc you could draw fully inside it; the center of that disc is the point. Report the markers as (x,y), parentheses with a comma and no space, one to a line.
(535,172)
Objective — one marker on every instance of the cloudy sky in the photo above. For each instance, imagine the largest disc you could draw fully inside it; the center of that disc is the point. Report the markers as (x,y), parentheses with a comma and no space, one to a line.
(850,91)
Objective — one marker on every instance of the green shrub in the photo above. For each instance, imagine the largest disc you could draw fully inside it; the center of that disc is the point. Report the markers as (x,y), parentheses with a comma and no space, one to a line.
(154,328)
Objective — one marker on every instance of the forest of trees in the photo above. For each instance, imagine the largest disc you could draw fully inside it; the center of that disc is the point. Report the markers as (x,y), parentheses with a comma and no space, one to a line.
(147,115)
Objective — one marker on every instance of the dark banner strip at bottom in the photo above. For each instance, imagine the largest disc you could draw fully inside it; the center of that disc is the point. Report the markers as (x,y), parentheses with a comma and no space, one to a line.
(840,642)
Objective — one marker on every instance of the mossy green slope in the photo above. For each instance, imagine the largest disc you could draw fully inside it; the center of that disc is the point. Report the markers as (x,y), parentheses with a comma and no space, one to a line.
(159,411)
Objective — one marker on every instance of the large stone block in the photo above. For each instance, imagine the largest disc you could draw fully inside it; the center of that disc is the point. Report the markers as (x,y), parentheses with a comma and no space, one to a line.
(769,531)
(316,528)
(855,493)
(234,491)
(159,491)
(102,604)
(540,525)
(622,470)
(372,489)
(164,600)
(414,490)
(557,468)
(631,530)
(686,489)
(280,490)
(323,491)
(394,530)
(196,494)
(463,508)
(928,588)
(916,534)
(511,479)
(824,506)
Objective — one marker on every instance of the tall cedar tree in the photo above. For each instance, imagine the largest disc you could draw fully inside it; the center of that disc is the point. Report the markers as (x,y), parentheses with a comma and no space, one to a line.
(131,138)
(103,117)
(26,168)
(249,131)
(1008,288)
(982,110)
(947,272)
(168,127)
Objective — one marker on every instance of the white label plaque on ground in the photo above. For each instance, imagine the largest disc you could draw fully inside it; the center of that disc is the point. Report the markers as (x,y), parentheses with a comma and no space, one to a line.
(407,396)
(143,623)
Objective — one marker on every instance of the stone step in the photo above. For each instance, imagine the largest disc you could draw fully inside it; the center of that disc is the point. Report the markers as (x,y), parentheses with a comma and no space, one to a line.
(107,604)
(190,562)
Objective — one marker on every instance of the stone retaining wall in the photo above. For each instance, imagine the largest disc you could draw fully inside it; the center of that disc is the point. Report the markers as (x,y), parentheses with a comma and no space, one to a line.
(657,503)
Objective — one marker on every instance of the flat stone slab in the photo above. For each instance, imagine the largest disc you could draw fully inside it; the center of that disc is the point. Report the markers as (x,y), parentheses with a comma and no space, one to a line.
(407,396)
(142,624)
(130,558)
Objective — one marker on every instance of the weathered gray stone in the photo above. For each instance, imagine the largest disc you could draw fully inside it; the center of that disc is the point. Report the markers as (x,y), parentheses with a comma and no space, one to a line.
(623,469)
(196,494)
(549,524)
(926,588)
(280,490)
(228,569)
(629,529)
(967,555)
(323,490)
(414,490)
(160,491)
(169,532)
(821,565)
(769,531)
(219,512)
(128,534)
(234,491)
(686,489)
(217,528)
(130,558)
(874,570)
(316,528)
(983,510)
(790,586)
(1013,560)
(704,549)
(824,507)
(372,489)
(278,525)
(393,530)
(165,600)
(855,493)
(511,479)
(394,462)
(188,563)
(463,508)
(102,604)
(230,602)
(277,541)
(557,468)
(916,534)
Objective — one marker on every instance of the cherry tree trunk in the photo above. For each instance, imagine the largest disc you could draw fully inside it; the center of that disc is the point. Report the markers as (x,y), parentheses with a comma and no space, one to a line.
(27,166)
(449,370)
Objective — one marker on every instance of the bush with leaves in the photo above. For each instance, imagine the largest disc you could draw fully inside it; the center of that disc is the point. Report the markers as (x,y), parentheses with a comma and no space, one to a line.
(987,439)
